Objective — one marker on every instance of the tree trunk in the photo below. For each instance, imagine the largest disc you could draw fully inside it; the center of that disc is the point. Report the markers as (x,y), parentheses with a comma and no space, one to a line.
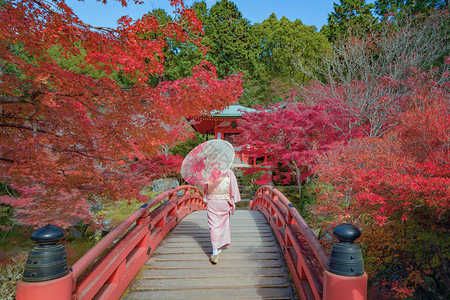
(298,176)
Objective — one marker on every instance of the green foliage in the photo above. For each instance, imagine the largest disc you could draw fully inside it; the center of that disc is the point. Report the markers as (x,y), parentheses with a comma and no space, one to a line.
(201,10)
(384,7)
(6,211)
(186,146)
(280,43)
(10,68)
(118,211)
(17,237)
(348,17)
(304,202)
(179,56)
(229,37)
(233,47)
(264,52)
(291,192)
(76,62)
(283,41)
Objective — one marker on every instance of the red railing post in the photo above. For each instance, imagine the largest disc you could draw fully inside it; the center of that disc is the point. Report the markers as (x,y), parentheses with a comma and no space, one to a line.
(345,277)
(117,275)
(56,289)
(46,276)
(161,223)
(173,196)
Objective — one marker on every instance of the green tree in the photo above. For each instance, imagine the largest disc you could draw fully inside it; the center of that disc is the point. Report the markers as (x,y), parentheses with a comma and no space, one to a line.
(179,56)
(349,16)
(201,10)
(281,43)
(264,52)
(186,146)
(384,7)
(230,39)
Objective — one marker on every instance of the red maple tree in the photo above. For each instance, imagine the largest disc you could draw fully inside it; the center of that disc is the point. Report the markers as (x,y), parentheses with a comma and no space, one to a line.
(396,189)
(68,138)
(293,135)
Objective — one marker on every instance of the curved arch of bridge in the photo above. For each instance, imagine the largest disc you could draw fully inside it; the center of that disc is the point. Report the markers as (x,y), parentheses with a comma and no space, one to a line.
(113,271)
(106,271)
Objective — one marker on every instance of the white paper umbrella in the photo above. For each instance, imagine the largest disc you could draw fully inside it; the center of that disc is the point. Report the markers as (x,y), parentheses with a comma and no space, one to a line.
(207,162)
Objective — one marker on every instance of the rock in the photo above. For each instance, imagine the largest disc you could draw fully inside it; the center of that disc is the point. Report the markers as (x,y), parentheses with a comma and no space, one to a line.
(316,232)
(163,184)
(248,189)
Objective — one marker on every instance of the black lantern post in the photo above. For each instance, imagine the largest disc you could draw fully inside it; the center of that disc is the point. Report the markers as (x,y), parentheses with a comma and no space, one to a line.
(346,256)
(344,277)
(48,260)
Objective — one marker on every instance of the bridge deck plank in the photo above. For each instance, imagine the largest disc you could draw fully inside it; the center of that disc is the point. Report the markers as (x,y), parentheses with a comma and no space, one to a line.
(252,267)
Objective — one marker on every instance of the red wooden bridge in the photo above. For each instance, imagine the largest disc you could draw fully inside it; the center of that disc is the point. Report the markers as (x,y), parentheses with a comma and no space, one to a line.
(161,252)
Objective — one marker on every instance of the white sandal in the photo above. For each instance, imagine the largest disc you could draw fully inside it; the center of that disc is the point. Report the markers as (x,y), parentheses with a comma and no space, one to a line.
(214,259)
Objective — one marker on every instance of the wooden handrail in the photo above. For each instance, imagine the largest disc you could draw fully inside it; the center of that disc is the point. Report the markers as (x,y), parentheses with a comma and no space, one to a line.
(88,258)
(304,255)
(108,275)
(306,231)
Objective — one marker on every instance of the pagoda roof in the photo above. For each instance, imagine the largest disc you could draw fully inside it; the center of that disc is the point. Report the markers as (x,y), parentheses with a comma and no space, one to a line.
(234,110)
(219,120)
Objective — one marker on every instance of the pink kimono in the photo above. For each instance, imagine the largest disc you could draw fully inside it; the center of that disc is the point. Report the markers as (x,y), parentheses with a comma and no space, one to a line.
(221,196)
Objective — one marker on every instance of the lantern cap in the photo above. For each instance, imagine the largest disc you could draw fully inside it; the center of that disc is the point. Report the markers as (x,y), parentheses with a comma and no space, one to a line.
(346,233)
(49,234)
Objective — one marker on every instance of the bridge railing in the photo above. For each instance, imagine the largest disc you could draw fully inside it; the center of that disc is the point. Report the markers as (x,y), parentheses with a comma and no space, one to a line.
(315,276)
(106,270)
(303,253)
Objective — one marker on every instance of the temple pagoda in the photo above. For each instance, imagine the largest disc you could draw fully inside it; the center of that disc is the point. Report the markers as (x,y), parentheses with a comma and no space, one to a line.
(222,124)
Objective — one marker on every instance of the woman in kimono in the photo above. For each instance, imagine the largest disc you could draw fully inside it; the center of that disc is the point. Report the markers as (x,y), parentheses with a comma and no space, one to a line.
(221,196)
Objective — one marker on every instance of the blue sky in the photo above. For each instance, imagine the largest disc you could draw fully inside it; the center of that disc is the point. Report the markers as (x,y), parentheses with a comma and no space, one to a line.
(310,12)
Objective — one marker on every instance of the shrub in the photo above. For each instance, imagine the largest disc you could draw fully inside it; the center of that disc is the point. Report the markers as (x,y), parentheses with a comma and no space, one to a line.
(11,271)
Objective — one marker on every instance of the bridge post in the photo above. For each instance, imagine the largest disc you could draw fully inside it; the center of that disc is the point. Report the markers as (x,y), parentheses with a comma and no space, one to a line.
(46,275)
(345,277)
